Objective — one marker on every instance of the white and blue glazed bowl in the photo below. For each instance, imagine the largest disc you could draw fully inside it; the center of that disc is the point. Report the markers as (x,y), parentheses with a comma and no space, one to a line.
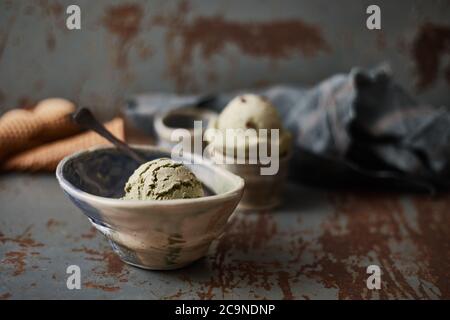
(151,234)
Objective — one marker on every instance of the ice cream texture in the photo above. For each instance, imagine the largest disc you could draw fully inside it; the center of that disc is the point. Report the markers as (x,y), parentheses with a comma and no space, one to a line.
(162,179)
(251,111)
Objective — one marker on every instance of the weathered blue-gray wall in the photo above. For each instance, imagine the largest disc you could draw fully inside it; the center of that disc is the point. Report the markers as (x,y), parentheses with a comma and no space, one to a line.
(128,47)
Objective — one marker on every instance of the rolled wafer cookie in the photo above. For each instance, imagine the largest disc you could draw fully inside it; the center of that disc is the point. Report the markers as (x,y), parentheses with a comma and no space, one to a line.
(22,129)
(47,156)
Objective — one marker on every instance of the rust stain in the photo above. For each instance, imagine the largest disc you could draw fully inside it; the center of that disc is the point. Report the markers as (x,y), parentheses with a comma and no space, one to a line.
(185,278)
(113,263)
(87,251)
(17,259)
(91,234)
(365,229)
(24,240)
(57,9)
(5,296)
(52,224)
(367,215)
(433,240)
(175,296)
(429,47)
(272,39)
(283,282)
(113,266)
(246,235)
(124,21)
(106,288)
(276,39)
(53,12)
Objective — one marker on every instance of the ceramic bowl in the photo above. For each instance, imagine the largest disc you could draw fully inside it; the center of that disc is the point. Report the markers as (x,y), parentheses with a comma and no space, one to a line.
(183,118)
(262,192)
(151,234)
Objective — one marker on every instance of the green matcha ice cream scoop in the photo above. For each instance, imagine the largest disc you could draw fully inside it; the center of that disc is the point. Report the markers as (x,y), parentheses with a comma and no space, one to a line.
(162,179)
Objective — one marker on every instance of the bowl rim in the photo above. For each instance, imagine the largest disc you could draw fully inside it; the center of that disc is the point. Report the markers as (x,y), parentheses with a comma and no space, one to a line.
(164,131)
(74,191)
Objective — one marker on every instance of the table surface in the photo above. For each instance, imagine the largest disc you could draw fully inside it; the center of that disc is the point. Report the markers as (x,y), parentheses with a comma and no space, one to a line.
(317,246)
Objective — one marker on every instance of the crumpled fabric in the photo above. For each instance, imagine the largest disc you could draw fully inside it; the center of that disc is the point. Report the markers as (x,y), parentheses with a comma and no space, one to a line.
(360,129)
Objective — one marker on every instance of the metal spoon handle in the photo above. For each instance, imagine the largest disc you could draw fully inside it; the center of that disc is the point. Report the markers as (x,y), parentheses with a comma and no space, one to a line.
(84,118)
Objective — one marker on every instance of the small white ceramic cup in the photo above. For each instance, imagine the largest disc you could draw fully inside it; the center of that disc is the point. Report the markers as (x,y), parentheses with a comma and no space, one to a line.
(183,118)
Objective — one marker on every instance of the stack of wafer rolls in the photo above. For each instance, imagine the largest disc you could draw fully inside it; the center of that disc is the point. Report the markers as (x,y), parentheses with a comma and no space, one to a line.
(37,139)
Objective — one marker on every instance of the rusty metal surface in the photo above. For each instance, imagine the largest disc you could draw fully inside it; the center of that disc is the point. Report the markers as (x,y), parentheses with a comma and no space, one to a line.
(129,47)
(317,245)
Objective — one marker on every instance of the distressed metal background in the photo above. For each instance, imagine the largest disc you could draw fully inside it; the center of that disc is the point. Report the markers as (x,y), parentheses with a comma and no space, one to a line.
(128,47)
(318,245)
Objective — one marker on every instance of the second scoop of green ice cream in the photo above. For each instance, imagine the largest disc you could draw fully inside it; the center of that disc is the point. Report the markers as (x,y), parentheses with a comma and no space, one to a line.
(162,179)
